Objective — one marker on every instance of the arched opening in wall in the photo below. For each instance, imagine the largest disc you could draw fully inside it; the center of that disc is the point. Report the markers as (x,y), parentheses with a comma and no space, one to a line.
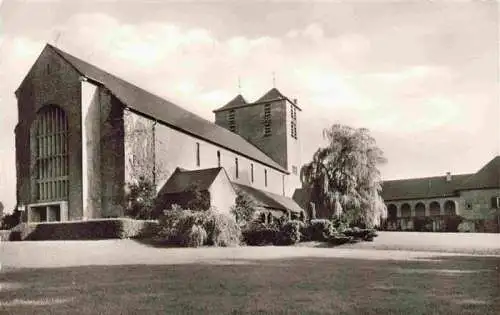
(420,209)
(50,151)
(450,208)
(435,208)
(392,212)
(405,210)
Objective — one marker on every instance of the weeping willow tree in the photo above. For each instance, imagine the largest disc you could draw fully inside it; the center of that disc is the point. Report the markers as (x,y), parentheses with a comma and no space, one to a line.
(343,177)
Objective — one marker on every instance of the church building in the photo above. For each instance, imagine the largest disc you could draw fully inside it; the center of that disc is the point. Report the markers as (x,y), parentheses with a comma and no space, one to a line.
(84,134)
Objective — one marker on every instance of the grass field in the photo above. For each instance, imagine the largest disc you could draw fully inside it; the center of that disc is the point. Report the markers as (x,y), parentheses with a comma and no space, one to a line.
(56,278)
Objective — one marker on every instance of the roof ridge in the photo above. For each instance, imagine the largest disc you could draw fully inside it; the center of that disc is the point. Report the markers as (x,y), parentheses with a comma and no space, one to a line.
(185,114)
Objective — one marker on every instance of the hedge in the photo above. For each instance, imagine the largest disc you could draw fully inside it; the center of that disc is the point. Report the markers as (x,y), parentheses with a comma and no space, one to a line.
(94,229)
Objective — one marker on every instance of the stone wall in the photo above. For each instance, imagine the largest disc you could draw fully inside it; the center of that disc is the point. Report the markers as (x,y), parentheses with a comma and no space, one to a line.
(51,81)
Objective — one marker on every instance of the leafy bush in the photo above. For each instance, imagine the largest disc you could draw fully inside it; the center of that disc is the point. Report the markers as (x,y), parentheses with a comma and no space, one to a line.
(10,220)
(82,230)
(466,227)
(176,228)
(222,229)
(259,234)
(141,197)
(361,234)
(339,239)
(320,230)
(422,224)
(244,209)
(341,223)
(194,237)
(289,233)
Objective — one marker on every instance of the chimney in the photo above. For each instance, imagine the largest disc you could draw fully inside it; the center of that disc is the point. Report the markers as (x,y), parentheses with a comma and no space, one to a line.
(295,101)
(448,176)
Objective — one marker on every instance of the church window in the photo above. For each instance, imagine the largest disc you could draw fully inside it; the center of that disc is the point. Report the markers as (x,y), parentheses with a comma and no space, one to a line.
(293,122)
(218,158)
(198,162)
(50,151)
(236,167)
(294,169)
(267,120)
(251,172)
(265,177)
(230,120)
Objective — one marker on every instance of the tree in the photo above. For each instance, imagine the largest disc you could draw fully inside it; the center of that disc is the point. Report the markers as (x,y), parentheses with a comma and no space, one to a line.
(244,208)
(141,197)
(343,177)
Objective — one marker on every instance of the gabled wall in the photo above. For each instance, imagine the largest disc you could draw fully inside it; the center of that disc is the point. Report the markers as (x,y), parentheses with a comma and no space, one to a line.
(222,194)
(50,81)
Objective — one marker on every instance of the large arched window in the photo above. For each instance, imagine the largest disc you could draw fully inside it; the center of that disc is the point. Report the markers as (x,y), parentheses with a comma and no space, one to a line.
(50,151)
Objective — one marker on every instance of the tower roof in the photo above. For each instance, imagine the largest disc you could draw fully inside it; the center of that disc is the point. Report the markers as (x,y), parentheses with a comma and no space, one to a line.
(272,95)
(238,101)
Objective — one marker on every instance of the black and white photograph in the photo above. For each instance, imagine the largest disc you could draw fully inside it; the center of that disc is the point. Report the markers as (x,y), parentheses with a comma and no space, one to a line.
(250,157)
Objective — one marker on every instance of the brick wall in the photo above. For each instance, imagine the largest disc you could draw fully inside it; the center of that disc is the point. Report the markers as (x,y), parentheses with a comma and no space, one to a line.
(51,81)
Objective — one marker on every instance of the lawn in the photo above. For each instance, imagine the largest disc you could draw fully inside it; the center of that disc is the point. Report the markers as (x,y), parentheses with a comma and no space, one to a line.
(69,278)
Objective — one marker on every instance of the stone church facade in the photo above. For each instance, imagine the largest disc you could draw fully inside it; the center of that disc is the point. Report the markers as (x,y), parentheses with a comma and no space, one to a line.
(83,134)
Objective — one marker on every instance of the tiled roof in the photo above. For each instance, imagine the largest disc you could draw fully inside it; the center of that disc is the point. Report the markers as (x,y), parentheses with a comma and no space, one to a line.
(486,177)
(168,113)
(238,101)
(420,188)
(181,180)
(271,95)
(269,200)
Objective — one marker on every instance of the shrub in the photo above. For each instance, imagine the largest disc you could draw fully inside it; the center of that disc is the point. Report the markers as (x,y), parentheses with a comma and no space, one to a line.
(82,230)
(320,230)
(222,229)
(9,221)
(289,233)
(177,224)
(196,236)
(259,234)
(340,223)
(466,226)
(141,196)
(339,239)
(422,224)
(244,208)
(361,234)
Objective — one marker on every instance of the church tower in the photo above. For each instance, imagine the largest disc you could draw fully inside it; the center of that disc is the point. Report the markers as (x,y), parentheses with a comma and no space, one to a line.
(272,124)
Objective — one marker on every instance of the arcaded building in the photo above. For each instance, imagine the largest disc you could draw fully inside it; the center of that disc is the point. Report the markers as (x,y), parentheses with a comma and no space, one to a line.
(472,198)
(83,134)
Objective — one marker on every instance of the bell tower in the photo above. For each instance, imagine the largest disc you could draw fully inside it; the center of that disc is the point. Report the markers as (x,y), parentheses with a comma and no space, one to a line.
(272,124)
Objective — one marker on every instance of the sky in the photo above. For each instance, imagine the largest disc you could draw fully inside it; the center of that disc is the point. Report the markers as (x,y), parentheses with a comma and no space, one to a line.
(422,76)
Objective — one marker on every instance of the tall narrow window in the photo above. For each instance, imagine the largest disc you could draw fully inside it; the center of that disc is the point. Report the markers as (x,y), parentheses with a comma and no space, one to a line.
(265,177)
(251,172)
(50,145)
(267,120)
(293,122)
(230,120)
(198,154)
(218,158)
(236,168)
